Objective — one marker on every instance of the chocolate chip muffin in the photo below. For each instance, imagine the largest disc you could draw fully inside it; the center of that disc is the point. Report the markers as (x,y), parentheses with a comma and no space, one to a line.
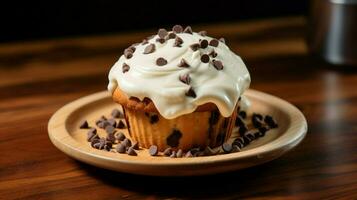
(179,89)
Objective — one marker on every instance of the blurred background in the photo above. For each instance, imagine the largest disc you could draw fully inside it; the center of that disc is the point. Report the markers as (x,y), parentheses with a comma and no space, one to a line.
(29,20)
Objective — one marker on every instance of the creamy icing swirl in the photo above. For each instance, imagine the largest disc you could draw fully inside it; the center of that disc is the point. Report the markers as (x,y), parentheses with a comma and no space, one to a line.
(145,78)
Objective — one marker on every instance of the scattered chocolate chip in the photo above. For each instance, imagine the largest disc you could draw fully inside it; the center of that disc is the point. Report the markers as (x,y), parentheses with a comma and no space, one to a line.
(238,140)
(183,63)
(173,139)
(179,153)
(103,124)
(171,36)
(153,150)
(120,148)
(154,119)
(239,121)
(242,114)
(160,40)
(131,152)
(161,61)
(132,48)
(236,148)
(94,141)
(214,117)
(126,142)
(227,147)
(188,30)
(135,145)
(188,154)
(202,33)
(173,154)
(213,54)
(214,43)
(83,124)
(203,44)
(120,124)
(259,134)
(191,93)
(222,40)
(250,135)
(246,140)
(117,113)
(217,64)
(205,58)
(111,138)
(195,150)
(238,143)
(177,29)
(185,78)
(92,134)
(112,122)
(167,151)
(208,151)
(120,136)
(149,48)
(242,130)
(110,129)
(257,120)
(102,143)
(162,33)
(145,41)
(128,53)
(270,121)
(195,46)
(178,42)
(125,68)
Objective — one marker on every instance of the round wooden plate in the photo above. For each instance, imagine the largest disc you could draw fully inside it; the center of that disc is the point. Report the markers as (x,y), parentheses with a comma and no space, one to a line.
(65,135)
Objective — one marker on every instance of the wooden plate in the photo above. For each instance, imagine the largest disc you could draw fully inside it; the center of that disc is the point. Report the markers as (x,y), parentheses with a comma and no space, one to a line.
(65,135)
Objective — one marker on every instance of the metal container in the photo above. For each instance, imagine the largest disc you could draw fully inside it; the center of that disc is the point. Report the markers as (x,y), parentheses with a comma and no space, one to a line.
(333,31)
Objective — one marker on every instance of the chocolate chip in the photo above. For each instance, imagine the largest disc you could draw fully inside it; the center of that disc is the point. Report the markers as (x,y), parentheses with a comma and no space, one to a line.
(205,58)
(270,121)
(110,129)
(238,143)
(239,121)
(120,148)
(128,53)
(102,143)
(191,93)
(120,136)
(94,141)
(257,120)
(238,140)
(236,148)
(179,153)
(188,154)
(262,130)
(213,54)
(103,124)
(259,116)
(149,48)
(243,114)
(250,135)
(188,30)
(217,64)
(203,44)
(92,134)
(202,33)
(135,145)
(126,142)
(185,78)
(195,46)
(183,63)
(112,122)
(162,33)
(125,68)
(167,151)
(170,36)
(161,40)
(246,141)
(173,139)
(242,130)
(117,113)
(208,151)
(131,152)
(178,42)
(173,154)
(132,48)
(227,147)
(161,61)
(154,119)
(214,43)
(222,40)
(153,150)
(145,41)
(259,134)
(111,138)
(121,124)
(214,117)
(177,29)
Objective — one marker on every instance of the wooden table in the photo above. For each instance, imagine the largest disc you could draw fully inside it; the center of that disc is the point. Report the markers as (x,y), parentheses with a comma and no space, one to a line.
(37,78)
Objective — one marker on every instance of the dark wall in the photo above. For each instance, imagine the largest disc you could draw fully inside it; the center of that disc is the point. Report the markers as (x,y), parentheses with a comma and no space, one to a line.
(48,19)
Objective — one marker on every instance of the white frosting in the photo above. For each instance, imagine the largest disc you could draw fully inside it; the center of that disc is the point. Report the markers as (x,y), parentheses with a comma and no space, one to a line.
(162,85)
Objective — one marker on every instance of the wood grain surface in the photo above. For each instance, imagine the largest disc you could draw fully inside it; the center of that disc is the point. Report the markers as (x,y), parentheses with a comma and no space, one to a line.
(37,78)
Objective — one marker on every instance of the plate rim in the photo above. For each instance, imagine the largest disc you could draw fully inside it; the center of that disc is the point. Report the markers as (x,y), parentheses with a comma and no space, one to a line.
(284,142)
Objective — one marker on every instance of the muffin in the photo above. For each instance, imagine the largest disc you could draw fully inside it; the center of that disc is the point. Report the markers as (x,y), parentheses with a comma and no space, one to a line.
(179,89)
